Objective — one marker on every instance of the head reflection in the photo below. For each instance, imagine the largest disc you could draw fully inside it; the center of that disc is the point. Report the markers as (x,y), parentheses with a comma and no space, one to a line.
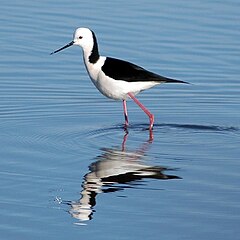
(114,170)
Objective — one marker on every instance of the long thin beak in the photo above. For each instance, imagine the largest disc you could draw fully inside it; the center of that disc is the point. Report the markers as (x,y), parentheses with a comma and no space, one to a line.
(66,46)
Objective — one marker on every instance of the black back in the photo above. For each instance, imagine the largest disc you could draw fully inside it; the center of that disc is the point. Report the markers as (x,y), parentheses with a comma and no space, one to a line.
(129,72)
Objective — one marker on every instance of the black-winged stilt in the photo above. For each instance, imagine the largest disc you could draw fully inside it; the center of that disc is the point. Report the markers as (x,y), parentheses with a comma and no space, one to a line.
(115,78)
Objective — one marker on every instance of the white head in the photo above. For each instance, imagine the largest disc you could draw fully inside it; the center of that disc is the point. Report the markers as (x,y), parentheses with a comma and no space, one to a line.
(82,37)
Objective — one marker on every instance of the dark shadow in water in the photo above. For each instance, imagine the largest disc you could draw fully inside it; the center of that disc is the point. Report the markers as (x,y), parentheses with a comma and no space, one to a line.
(168,126)
(195,127)
(200,127)
(114,170)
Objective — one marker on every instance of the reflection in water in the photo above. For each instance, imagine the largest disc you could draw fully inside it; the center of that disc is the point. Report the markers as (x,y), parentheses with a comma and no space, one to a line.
(114,167)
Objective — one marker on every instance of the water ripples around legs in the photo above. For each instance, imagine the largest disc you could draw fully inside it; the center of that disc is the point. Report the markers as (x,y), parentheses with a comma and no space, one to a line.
(133,159)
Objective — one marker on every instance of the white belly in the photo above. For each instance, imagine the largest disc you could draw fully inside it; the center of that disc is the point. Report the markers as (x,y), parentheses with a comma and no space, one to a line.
(118,89)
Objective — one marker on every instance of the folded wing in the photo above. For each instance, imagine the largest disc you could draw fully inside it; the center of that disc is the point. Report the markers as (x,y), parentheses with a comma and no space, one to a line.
(129,72)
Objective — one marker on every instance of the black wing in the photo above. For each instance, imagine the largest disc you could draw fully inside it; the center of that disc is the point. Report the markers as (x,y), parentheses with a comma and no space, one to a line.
(129,72)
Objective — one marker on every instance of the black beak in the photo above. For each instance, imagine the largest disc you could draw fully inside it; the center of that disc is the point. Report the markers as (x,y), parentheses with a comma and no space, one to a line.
(66,46)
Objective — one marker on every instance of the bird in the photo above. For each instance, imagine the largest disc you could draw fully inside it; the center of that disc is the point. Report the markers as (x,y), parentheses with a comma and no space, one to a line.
(115,78)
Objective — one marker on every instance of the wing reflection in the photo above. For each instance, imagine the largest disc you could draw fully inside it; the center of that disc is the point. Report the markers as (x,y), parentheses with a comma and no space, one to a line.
(114,170)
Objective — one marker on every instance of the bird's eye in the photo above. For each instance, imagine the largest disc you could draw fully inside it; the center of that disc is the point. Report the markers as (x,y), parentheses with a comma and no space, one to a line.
(80,37)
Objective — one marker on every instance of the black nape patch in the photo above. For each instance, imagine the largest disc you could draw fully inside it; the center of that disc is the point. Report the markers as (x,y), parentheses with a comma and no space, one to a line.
(94,54)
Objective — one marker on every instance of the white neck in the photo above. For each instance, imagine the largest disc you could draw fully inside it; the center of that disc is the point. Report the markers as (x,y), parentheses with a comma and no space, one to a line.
(92,68)
(86,54)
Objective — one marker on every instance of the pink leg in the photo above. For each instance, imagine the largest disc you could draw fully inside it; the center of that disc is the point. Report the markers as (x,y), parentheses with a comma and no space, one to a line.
(151,116)
(124,142)
(125,112)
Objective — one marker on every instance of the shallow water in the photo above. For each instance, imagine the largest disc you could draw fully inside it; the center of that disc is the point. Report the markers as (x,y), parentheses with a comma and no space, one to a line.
(68,169)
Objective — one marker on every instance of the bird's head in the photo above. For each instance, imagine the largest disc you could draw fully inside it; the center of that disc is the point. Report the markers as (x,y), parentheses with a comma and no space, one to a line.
(82,37)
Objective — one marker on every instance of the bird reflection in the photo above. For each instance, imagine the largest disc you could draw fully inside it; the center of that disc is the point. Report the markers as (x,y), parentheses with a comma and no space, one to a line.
(114,170)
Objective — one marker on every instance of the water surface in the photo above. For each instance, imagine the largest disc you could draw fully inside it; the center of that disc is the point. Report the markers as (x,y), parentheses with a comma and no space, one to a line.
(68,169)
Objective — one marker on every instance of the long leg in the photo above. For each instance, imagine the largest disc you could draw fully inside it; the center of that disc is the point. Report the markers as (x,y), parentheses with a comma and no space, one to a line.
(125,112)
(150,115)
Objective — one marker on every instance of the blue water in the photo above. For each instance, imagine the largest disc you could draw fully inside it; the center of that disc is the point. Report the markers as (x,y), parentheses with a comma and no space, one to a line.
(67,167)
